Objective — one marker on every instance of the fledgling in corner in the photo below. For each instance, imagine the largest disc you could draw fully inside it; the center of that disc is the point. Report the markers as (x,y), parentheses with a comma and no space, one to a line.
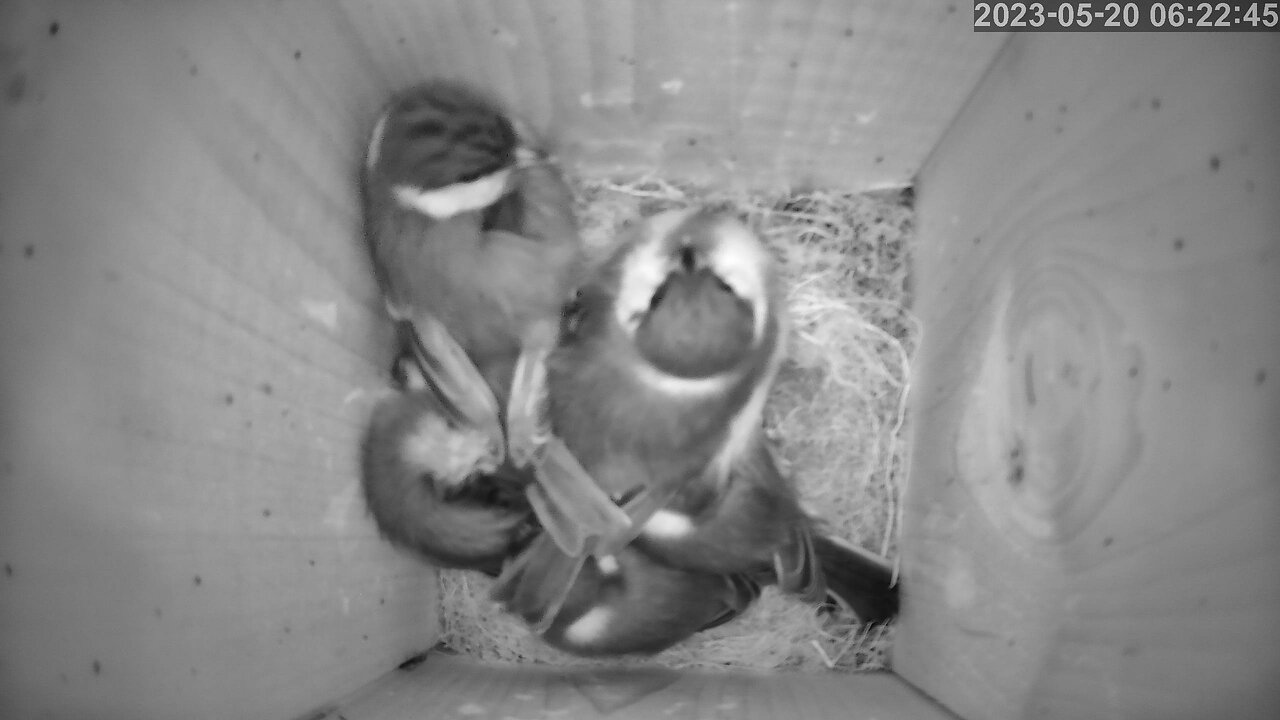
(474,243)
(433,487)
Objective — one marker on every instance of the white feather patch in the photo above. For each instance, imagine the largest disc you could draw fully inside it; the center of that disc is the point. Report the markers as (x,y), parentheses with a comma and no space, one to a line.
(668,525)
(608,565)
(646,267)
(443,203)
(589,628)
(450,455)
(745,425)
(739,259)
(679,387)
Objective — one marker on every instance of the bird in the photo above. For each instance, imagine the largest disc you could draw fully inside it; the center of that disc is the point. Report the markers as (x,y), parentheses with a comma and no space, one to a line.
(659,382)
(628,603)
(754,524)
(474,242)
(670,349)
(659,387)
(433,487)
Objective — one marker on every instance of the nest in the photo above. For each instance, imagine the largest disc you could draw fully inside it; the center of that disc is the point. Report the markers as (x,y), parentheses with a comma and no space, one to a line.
(835,416)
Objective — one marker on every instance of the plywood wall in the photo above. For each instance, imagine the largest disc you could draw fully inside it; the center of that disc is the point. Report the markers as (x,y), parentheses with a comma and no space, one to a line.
(188,331)
(189,351)
(1093,519)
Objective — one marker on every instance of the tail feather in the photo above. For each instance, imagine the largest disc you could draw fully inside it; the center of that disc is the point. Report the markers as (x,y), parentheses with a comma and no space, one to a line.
(535,583)
(857,579)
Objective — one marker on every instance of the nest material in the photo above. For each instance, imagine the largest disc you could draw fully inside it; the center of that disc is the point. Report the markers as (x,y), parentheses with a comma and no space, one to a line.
(835,416)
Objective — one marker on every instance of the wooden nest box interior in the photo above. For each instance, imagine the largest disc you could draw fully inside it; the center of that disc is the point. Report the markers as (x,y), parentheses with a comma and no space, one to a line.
(190,338)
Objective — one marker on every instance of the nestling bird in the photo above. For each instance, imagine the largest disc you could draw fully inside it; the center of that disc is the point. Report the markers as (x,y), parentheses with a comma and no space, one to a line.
(753,523)
(474,241)
(432,485)
(659,388)
(660,382)
(628,603)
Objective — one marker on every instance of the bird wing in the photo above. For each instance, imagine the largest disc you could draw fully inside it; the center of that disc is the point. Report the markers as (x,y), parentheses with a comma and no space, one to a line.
(536,582)
(576,513)
(465,397)
(798,568)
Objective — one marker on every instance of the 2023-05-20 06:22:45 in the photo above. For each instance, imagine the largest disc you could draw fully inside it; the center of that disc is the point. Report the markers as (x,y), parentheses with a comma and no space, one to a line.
(1143,16)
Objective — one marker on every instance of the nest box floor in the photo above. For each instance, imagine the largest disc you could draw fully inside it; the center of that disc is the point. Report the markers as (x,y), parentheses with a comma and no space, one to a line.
(442,686)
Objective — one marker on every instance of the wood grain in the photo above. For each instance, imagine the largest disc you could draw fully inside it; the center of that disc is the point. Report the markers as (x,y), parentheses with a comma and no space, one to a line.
(1093,518)
(190,344)
(755,93)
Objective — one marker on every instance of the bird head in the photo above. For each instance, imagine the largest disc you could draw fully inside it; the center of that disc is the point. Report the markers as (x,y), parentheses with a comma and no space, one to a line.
(697,295)
(444,148)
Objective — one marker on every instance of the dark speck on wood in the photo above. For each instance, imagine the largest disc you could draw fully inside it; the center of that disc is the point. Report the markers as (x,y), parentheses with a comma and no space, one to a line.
(17,88)
(413,662)
(1029,379)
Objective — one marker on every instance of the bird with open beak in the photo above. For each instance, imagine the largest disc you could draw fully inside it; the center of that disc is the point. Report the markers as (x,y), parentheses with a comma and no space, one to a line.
(658,388)
(475,244)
